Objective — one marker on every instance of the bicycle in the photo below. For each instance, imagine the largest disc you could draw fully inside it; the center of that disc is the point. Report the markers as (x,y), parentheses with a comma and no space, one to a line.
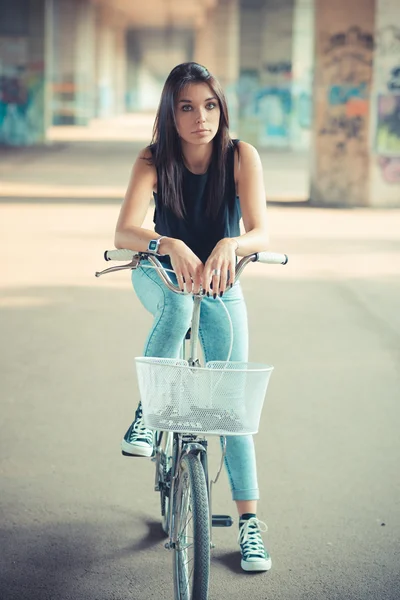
(183,401)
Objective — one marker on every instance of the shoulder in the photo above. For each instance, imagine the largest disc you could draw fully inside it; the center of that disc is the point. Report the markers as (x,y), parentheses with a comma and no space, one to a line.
(143,170)
(247,159)
(144,164)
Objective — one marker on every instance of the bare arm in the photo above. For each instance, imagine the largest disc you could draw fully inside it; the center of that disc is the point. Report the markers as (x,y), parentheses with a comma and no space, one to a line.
(250,184)
(130,234)
(251,190)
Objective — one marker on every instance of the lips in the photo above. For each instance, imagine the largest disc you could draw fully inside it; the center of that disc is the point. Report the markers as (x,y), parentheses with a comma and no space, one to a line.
(201,131)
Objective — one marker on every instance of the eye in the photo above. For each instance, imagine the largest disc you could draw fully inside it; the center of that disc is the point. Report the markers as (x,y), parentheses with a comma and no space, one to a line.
(211,105)
(186,107)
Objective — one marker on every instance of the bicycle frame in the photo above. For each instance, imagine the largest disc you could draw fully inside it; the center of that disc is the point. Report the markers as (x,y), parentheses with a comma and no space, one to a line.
(187,443)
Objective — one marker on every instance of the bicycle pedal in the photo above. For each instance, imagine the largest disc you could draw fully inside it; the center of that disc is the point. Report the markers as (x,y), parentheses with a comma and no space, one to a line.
(222,521)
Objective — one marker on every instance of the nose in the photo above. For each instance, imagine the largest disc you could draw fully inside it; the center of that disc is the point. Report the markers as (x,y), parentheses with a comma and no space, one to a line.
(201,116)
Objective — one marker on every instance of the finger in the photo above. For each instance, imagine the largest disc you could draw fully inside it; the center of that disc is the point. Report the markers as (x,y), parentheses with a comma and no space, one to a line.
(223,279)
(231,275)
(216,276)
(188,281)
(181,281)
(196,283)
(205,281)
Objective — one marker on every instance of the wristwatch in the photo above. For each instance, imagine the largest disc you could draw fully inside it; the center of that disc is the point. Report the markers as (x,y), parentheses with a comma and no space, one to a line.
(154,245)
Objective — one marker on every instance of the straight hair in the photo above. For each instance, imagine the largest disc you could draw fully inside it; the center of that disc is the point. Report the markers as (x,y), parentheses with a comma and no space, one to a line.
(166,149)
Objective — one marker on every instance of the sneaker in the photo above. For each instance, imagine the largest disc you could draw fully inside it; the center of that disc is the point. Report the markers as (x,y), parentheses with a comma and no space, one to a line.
(254,555)
(138,440)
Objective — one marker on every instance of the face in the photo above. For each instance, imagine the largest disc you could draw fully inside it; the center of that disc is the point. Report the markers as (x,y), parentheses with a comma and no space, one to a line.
(197,114)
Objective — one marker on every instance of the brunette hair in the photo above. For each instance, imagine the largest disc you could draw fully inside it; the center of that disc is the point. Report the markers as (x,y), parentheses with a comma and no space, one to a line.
(166,147)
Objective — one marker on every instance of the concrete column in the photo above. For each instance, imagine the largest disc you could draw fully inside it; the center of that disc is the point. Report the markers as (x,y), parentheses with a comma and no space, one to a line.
(385,107)
(83,41)
(132,71)
(302,72)
(251,32)
(342,86)
(120,71)
(22,71)
(205,41)
(105,60)
(226,54)
(274,100)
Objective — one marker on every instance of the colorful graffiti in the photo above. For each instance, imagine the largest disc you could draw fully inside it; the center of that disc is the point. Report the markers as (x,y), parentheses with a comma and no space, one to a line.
(274,106)
(388,124)
(345,71)
(390,169)
(341,94)
(394,80)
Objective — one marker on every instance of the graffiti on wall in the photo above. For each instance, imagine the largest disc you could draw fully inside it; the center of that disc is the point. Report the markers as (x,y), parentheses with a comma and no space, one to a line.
(274,106)
(21,94)
(345,72)
(388,124)
(390,169)
(282,67)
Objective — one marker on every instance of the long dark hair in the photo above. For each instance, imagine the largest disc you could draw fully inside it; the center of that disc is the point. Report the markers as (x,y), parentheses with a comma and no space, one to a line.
(166,145)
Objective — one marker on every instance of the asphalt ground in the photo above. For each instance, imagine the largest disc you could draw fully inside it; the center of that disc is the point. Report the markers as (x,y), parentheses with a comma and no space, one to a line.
(80,521)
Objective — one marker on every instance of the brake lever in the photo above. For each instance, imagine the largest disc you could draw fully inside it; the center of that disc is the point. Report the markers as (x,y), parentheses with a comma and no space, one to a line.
(132,265)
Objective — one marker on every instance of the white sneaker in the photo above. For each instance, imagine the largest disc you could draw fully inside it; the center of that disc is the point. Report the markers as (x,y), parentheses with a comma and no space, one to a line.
(138,440)
(254,554)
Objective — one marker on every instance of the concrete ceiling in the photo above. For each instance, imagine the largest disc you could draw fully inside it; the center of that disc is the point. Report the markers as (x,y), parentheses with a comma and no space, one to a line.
(160,13)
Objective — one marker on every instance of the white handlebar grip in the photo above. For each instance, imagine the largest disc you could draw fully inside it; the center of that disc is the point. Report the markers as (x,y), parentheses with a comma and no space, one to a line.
(272,258)
(119,254)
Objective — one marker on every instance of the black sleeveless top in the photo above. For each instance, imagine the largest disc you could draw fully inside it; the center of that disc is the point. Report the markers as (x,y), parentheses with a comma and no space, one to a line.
(199,231)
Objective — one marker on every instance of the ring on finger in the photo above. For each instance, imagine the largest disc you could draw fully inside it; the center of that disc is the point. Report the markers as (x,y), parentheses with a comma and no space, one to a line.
(216,272)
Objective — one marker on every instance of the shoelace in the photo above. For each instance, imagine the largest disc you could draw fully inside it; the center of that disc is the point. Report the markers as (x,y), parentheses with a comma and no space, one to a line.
(250,537)
(138,429)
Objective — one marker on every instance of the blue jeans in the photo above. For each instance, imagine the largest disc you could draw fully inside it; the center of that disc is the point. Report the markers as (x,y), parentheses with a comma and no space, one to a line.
(172,315)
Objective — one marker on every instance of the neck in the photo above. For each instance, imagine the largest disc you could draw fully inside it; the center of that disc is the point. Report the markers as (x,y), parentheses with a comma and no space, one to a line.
(197,157)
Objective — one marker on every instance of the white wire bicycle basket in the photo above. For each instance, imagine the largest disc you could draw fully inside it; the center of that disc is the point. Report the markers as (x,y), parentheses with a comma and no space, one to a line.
(222,398)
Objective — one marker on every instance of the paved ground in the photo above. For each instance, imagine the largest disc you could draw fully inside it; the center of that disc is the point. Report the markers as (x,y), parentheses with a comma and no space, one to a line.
(80,521)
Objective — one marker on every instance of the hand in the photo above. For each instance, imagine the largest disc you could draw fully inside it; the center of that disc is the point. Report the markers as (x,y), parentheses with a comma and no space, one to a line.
(220,267)
(187,266)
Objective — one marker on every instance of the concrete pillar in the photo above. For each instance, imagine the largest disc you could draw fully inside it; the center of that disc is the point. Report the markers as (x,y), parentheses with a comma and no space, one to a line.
(22,71)
(274,101)
(205,41)
(105,62)
(120,71)
(342,86)
(302,74)
(251,32)
(83,42)
(385,107)
(226,54)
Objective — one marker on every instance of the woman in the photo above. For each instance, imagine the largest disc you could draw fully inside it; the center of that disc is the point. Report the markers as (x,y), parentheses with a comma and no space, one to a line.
(203,183)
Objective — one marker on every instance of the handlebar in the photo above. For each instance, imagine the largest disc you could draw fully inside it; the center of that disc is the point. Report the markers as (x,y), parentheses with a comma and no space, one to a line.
(273,258)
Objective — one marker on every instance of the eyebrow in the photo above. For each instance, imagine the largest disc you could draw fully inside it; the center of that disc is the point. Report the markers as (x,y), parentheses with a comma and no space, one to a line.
(206,100)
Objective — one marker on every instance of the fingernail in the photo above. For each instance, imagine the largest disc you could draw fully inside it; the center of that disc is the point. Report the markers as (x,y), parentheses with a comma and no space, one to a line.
(182,290)
(214,296)
(231,284)
(221,294)
(208,294)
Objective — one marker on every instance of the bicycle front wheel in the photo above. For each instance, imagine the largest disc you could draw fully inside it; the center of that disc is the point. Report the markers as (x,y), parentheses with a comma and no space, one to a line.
(191,532)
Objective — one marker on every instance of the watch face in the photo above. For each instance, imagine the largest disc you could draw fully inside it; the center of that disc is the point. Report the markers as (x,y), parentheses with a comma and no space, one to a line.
(153,245)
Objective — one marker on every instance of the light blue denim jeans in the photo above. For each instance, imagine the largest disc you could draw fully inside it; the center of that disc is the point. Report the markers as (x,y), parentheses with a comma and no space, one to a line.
(172,315)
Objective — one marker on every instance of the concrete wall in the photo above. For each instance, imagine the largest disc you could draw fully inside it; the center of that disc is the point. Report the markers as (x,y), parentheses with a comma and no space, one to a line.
(152,53)
(22,74)
(276,56)
(385,107)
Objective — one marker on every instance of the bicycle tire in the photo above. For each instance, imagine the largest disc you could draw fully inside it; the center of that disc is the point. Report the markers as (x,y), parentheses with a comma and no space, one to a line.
(191,532)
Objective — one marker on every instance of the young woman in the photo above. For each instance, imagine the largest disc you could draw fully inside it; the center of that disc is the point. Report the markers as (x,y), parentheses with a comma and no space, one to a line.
(203,183)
